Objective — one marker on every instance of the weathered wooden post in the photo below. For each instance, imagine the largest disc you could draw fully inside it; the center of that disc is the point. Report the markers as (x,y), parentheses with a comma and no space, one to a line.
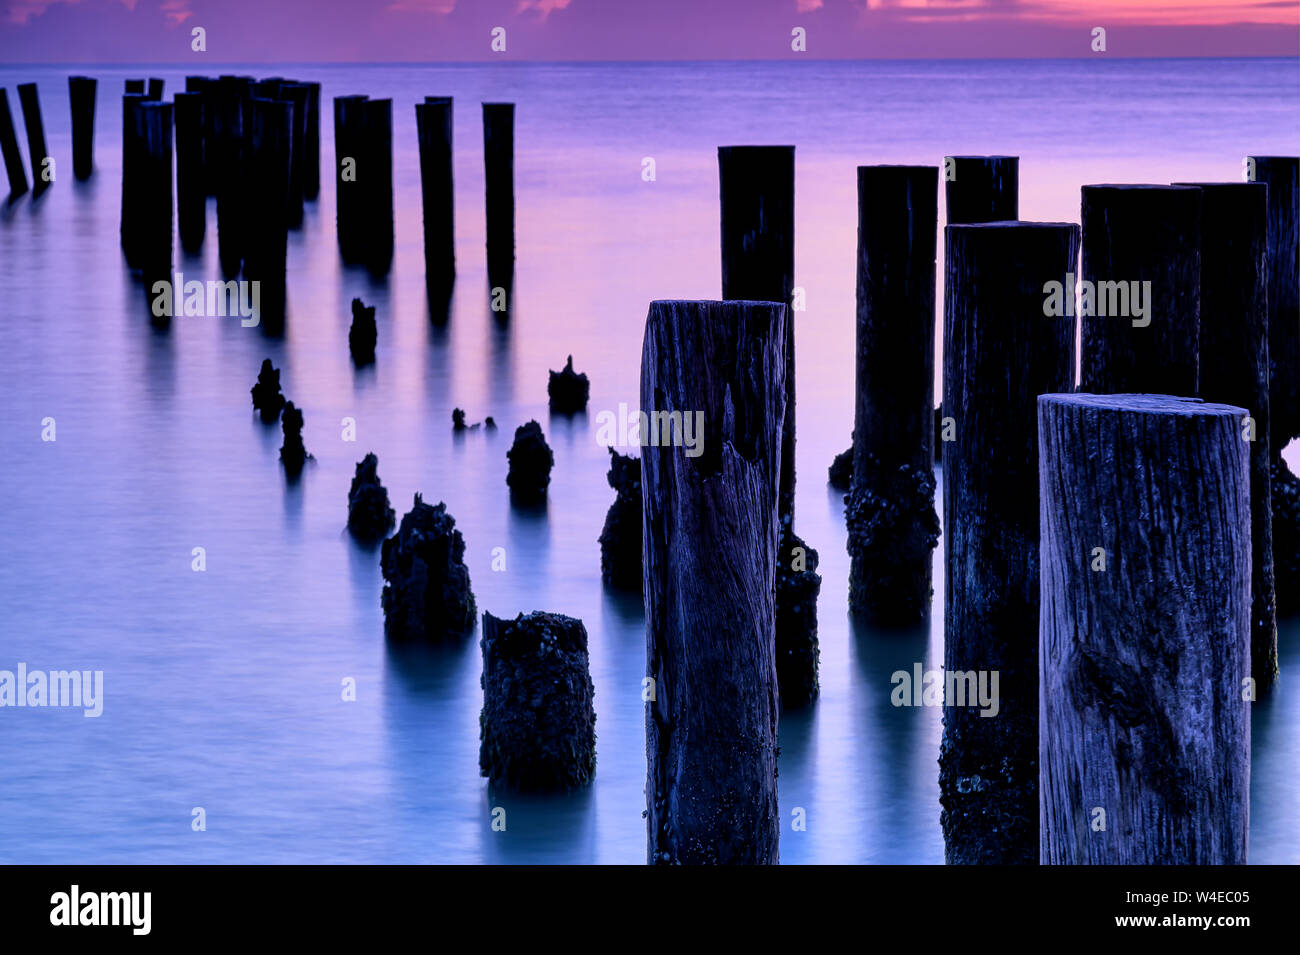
(981,188)
(1145,631)
(272,142)
(892,523)
(204,87)
(1234,339)
(311,145)
(298,94)
(377,148)
(134,86)
(133,161)
(42,164)
(433,123)
(191,198)
(155,196)
(9,145)
(499,177)
(232,120)
(711,529)
(349,134)
(155,89)
(1003,347)
(756,199)
(1140,293)
(81,97)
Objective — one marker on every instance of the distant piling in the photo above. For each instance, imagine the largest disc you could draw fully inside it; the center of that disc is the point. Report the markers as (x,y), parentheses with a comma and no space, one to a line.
(1141,253)
(132,176)
(81,96)
(155,92)
(1145,634)
(711,532)
(191,197)
(1000,353)
(232,118)
(134,86)
(378,185)
(433,123)
(9,145)
(203,86)
(298,94)
(981,189)
(42,171)
(349,134)
(892,522)
(311,145)
(272,139)
(1234,341)
(499,178)
(155,196)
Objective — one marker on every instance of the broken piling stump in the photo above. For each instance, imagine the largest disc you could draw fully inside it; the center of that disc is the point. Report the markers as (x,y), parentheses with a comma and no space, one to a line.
(267,399)
(537,729)
(433,123)
(42,163)
(9,146)
(499,180)
(840,474)
(155,196)
(1234,339)
(892,524)
(1000,353)
(981,189)
(531,460)
(620,538)
(1140,293)
(712,525)
(293,453)
(191,191)
(369,515)
(81,97)
(427,592)
(363,334)
(568,390)
(1144,655)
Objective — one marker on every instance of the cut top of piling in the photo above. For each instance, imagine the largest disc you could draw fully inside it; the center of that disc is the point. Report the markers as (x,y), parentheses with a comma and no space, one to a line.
(1144,404)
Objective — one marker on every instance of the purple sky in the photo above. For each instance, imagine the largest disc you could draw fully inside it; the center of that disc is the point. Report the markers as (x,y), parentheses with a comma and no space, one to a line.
(439,30)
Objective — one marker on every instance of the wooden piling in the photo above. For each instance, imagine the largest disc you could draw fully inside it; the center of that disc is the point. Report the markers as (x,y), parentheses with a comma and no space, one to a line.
(81,96)
(433,123)
(756,192)
(892,523)
(1234,339)
(1281,173)
(270,164)
(349,134)
(297,94)
(204,87)
(499,177)
(232,119)
(155,195)
(1145,738)
(711,530)
(155,92)
(9,146)
(1000,353)
(378,185)
(1141,234)
(191,198)
(981,189)
(134,86)
(311,145)
(132,176)
(36,150)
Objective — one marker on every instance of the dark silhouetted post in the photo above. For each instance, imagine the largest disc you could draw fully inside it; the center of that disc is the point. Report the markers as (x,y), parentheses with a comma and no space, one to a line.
(892,523)
(433,123)
(1145,633)
(204,86)
(134,86)
(133,162)
(499,176)
(1141,270)
(155,89)
(1234,341)
(9,145)
(272,142)
(349,134)
(311,145)
(81,96)
(981,188)
(377,148)
(41,172)
(232,120)
(298,94)
(1001,351)
(711,528)
(191,201)
(155,195)
(1280,172)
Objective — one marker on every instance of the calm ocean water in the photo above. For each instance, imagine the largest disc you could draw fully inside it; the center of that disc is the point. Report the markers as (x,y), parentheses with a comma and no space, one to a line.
(222,689)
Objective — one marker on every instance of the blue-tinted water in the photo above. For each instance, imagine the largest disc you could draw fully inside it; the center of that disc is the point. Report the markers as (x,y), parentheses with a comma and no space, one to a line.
(223,688)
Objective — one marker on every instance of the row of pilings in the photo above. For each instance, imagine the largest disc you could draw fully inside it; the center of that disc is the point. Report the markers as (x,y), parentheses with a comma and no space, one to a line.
(1108,548)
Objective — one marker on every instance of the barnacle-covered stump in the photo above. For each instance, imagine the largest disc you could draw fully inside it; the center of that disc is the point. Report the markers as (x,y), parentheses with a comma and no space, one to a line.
(426,583)
(369,516)
(840,474)
(568,390)
(537,729)
(797,653)
(267,399)
(1286,538)
(620,539)
(293,453)
(531,460)
(364,333)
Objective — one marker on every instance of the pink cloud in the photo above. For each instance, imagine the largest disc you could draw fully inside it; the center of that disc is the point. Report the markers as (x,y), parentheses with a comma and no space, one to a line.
(422,6)
(544,8)
(807,6)
(176,11)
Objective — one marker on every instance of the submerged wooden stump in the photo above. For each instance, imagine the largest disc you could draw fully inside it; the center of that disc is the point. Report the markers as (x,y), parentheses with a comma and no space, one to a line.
(982,189)
(81,97)
(427,593)
(1144,243)
(1000,353)
(42,174)
(620,538)
(1234,341)
(537,730)
(1145,738)
(369,515)
(499,179)
(711,525)
(433,123)
(9,146)
(890,512)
